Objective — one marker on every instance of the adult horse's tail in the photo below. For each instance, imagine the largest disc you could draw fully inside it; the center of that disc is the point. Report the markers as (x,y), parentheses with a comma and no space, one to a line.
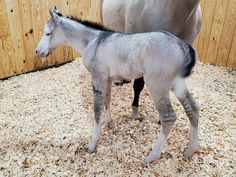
(189,62)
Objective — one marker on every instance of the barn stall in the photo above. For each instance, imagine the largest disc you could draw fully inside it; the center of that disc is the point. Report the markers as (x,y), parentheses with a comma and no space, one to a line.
(46,117)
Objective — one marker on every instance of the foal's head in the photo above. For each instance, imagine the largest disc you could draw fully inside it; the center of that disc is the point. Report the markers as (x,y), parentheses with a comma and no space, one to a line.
(52,36)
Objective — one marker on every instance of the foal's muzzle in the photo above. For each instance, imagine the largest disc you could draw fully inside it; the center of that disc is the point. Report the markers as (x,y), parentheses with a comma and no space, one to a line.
(42,54)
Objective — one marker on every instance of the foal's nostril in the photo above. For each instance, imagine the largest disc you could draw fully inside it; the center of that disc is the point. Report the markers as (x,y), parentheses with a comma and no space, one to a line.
(36,51)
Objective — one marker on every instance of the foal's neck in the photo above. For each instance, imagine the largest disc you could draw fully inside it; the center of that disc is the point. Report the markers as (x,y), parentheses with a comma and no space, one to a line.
(78,35)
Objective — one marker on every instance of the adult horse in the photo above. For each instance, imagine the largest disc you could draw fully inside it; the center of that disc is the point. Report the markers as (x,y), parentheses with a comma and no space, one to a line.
(181,18)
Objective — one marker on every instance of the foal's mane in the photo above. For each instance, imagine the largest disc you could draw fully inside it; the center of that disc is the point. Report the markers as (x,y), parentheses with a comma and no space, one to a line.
(91,24)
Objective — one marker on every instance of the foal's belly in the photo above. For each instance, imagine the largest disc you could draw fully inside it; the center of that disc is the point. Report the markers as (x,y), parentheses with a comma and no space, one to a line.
(125,71)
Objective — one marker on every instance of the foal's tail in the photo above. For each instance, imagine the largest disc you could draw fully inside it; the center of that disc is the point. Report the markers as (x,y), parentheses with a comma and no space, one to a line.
(189,62)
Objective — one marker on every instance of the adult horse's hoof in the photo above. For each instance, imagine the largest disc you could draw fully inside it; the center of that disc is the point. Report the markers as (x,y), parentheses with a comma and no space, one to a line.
(135,115)
(121,82)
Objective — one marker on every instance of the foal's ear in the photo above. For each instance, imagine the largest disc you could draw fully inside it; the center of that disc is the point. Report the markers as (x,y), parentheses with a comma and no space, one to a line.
(55,15)
(51,12)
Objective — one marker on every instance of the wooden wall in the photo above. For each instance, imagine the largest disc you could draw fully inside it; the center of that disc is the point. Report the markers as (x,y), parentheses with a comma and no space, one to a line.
(22,23)
(21,26)
(216,43)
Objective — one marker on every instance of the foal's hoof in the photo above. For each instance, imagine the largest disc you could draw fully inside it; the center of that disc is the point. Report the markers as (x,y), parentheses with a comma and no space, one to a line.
(188,154)
(150,158)
(91,149)
(107,123)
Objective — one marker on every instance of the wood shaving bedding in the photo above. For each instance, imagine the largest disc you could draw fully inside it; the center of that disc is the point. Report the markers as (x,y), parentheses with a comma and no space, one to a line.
(46,119)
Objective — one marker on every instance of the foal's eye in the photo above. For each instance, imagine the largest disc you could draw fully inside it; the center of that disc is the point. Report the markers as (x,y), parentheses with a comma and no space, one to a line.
(48,34)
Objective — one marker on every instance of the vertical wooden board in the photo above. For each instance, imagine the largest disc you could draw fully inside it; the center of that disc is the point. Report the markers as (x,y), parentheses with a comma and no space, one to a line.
(228,30)
(6,56)
(216,31)
(16,35)
(232,55)
(75,9)
(38,27)
(2,58)
(4,27)
(67,51)
(27,33)
(95,14)
(203,41)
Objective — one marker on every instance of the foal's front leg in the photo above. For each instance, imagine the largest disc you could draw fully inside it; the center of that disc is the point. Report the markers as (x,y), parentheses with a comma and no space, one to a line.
(99,89)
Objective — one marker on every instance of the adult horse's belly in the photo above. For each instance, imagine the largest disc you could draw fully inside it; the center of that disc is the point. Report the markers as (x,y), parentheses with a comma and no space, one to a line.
(113,14)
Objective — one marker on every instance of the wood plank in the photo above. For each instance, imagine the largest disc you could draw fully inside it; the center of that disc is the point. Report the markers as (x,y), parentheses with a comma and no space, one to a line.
(67,51)
(28,33)
(38,27)
(8,65)
(4,26)
(232,55)
(16,36)
(2,56)
(208,16)
(228,30)
(217,27)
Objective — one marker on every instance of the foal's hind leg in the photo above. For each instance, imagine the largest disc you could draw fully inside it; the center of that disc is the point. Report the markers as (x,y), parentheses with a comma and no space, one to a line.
(192,110)
(138,87)
(160,96)
(167,117)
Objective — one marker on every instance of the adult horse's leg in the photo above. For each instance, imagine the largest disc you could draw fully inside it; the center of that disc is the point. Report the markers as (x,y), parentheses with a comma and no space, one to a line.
(137,87)
(192,110)
(100,85)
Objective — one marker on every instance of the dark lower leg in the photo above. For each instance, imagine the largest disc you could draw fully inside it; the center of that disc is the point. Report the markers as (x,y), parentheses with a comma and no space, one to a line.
(138,87)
